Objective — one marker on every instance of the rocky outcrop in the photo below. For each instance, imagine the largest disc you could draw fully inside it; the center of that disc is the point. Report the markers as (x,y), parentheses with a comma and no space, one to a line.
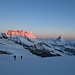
(3,35)
(40,50)
(60,38)
(21,33)
(5,52)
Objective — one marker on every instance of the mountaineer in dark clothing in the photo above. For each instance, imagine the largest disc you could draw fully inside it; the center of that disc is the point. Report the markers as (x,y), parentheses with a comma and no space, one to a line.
(14,57)
(21,56)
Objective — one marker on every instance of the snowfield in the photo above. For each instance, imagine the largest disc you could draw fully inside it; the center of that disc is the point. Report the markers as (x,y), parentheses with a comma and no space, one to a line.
(13,48)
(37,66)
(60,59)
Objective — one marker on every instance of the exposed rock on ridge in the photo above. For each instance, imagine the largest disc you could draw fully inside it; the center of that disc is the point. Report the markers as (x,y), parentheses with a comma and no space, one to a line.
(21,33)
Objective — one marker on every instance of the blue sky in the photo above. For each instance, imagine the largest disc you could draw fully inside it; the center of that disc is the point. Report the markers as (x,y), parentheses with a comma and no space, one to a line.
(45,18)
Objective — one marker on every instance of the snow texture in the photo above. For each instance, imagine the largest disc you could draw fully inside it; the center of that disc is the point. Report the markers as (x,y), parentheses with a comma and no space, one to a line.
(37,66)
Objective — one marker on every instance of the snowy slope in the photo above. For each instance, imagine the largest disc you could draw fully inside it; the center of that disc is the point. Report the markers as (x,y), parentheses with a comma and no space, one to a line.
(37,66)
(11,47)
(34,45)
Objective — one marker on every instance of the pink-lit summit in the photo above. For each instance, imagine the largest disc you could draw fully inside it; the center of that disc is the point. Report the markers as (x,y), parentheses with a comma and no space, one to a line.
(21,33)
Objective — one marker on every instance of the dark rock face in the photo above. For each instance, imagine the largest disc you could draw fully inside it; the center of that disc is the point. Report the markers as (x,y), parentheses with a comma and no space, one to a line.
(70,51)
(39,50)
(64,50)
(60,39)
(5,52)
(3,35)
(43,53)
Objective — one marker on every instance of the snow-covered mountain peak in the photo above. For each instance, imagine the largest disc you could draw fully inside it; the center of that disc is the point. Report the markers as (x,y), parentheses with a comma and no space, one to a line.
(60,39)
(21,33)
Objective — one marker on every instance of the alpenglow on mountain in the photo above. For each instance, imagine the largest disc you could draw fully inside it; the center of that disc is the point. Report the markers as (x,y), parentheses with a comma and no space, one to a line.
(21,33)
(18,42)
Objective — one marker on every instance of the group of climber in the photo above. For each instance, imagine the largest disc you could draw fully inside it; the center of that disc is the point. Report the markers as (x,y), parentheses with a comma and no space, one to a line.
(15,57)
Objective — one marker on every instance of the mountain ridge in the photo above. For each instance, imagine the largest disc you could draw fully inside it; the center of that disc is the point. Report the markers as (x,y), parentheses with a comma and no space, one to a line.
(44,48)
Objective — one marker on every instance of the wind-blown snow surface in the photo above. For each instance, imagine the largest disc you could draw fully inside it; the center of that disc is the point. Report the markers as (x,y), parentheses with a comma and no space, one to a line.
(37,66)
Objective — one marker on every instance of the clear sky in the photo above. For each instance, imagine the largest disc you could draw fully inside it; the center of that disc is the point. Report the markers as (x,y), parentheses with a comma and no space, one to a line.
(45,18)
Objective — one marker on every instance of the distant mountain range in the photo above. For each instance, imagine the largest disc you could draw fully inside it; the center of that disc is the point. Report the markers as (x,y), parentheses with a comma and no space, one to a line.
(26,45)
